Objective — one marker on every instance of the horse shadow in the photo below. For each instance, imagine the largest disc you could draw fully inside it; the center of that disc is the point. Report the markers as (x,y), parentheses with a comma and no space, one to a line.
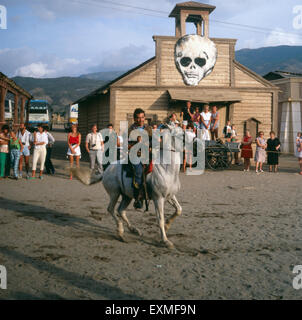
(38,213)
(82,282)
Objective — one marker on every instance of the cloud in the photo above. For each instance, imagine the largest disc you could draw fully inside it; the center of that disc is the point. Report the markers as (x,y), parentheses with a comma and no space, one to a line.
(44,13)
(12,59)
(26,62)
(35,70)
(52,66)
(73,37)
(279,37)
(49,10)
(123,58)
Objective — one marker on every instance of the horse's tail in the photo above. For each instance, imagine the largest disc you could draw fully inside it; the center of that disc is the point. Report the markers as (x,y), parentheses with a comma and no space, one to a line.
(86,176)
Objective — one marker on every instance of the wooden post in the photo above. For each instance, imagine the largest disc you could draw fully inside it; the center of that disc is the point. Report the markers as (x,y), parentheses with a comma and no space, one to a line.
(275,112)
(206,31)
(177,27)
(16,120)
(22,109)
(183,18)
(27,112)
(3,92)
(232,65)
(199,28)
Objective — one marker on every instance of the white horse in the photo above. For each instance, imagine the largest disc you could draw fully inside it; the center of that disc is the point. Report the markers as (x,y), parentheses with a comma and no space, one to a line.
(163,182)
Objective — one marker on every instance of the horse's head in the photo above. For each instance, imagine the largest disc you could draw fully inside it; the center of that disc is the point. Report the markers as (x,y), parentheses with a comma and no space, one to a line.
(173,135)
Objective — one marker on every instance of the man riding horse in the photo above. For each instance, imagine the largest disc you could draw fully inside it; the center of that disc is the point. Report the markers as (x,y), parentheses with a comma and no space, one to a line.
(138,169)
(162,183)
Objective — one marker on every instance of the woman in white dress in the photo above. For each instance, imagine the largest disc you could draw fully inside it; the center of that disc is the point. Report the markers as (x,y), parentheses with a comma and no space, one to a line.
(189,139)
(260,155)
(299,150)
(39,155)
(205,119)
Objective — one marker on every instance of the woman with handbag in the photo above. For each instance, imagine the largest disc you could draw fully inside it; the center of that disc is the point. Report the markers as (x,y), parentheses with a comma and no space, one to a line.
(273,152)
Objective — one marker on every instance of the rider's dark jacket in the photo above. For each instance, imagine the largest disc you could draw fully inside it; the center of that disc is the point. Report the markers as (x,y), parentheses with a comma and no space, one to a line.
(138,169)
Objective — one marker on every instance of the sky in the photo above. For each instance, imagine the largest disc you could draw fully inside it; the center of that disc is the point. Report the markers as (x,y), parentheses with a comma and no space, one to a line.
(54,38)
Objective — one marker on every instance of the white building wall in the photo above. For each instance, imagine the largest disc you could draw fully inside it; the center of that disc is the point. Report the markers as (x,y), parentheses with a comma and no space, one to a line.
(291,124)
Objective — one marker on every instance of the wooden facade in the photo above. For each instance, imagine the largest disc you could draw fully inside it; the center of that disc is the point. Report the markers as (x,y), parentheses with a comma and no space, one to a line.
(243,97)
(21,97)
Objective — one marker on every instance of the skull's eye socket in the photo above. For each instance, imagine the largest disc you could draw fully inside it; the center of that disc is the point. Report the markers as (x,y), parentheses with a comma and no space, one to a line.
(200,61)
(186,61)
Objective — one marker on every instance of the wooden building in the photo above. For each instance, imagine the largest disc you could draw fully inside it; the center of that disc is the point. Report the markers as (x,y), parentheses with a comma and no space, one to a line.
(20,98)
(243,97)
(290,107)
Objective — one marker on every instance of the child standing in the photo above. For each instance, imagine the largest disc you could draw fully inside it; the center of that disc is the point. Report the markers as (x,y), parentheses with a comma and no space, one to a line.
(4,152)
(15,147)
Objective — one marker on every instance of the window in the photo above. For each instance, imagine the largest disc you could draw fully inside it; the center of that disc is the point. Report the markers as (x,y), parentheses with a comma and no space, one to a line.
(38,111)
(7,109)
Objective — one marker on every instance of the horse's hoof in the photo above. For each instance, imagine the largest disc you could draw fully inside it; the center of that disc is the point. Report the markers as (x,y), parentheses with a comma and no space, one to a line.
(136,232)
(169,245)
(122,238)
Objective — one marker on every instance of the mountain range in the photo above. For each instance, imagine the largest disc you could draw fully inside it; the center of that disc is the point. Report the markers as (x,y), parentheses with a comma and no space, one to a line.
(62,91)
(265,60)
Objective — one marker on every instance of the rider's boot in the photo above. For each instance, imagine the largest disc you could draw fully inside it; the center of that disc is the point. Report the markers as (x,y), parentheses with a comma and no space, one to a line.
(138,203)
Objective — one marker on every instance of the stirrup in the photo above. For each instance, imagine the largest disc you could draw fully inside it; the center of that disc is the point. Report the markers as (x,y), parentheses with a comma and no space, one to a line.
(138,204)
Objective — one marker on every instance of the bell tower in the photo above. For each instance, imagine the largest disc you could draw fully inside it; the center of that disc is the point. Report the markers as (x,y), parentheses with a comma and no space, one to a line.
(194,12)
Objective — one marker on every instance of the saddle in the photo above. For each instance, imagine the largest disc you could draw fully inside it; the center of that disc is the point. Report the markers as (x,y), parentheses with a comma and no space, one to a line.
(129,169)
(145,192)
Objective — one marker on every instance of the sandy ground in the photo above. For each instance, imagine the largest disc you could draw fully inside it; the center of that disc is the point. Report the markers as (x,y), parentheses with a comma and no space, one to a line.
(239,238)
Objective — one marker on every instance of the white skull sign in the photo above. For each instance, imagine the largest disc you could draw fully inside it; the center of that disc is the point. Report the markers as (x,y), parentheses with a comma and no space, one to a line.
(195,58)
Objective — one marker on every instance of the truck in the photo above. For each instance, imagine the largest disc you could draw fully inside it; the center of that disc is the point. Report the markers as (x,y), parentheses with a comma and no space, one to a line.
(71,115)
(40,112)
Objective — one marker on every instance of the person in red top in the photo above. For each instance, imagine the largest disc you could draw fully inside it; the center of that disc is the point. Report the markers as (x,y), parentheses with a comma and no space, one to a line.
(74,142)
(247,151)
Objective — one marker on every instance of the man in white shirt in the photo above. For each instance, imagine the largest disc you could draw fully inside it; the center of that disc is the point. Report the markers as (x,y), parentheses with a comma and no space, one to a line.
(227,131)
(120,141)
(26,139)
(189,140)
(94,147)
(206,123)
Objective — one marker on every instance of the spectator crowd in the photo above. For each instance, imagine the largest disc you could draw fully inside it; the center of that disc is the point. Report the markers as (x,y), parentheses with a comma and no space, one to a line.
(15,150)
(16,146)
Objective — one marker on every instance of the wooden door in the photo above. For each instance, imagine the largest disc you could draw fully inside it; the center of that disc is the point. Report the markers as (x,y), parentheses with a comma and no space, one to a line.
(222,119)
(253,126)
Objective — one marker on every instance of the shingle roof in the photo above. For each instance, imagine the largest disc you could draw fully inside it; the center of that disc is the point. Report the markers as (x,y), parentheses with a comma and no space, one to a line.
(13,84)
(191,5)
(275,75)
(107,85)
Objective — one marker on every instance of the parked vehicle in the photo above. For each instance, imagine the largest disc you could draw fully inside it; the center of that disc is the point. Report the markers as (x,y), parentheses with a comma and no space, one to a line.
(39,112)
(9,107)
(71,114)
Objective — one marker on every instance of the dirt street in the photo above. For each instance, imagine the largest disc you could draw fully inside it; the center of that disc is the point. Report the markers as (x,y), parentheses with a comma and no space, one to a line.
(239,238)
